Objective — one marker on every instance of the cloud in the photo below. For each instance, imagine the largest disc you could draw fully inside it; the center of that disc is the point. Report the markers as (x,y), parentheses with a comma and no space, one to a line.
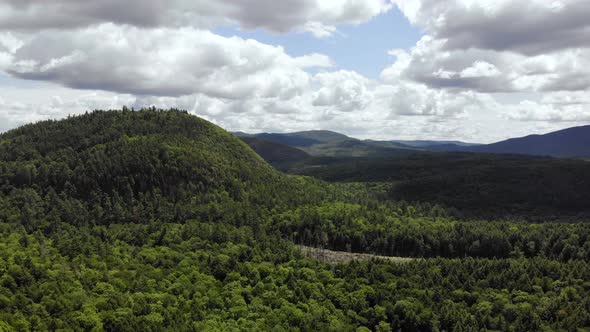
(319,30)
(163,62)
(480,69)
(480,65)
(489,71)
(408,99)
(530,27)
(52,103)
(343,91)
(553,107)
(316,16)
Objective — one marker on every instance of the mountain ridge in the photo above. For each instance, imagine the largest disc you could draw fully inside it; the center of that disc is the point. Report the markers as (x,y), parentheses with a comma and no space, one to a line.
(565,143)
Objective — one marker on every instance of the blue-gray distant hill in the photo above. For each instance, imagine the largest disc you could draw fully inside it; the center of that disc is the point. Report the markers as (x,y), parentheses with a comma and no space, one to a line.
(324,143)
(567,143)
(426,144)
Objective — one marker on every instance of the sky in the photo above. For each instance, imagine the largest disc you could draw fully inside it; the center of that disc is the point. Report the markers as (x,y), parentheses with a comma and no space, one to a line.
(471,70)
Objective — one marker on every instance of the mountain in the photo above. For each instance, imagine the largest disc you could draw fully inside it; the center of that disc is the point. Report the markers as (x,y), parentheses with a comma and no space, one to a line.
(275,153)
(322,136)
(567,143)
(328,143)
(302,139)
(477,184)
(427,145)
(154,159)
(572,142)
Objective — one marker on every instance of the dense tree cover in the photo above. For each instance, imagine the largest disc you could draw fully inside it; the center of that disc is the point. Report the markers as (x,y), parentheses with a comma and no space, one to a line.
(274,153)
(157,220)
(201,276)
(427,231)
(139,166)
(480,185)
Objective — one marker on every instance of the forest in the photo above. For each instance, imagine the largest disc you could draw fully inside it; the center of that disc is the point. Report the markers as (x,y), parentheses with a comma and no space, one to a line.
(476,185)
(157,220)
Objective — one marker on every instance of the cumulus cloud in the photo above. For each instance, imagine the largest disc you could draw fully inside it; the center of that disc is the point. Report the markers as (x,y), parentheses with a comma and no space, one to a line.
(529,27)
(316,16)
(408,99)
(431,63)
(344,91)
(480,69)
(20,106)
(163,62)
(107,53)
(553,107)
(498,46)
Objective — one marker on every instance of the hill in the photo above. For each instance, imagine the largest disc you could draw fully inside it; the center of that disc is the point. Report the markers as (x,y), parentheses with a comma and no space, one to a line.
(329,143)
(428,145)
(152,159)
(571,142)
(567,143)
(276,154)
(479,185)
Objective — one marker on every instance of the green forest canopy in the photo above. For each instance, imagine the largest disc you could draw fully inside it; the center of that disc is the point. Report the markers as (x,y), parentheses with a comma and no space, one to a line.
(157,220)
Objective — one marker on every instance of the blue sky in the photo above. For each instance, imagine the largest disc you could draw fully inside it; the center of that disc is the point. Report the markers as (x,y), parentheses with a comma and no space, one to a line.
(463,69)
(362,48)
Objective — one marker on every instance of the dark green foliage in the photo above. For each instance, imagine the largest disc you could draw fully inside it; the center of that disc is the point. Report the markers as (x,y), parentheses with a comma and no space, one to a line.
(423,230)
(275,154)
(138,166)
(480,185)
(157,220)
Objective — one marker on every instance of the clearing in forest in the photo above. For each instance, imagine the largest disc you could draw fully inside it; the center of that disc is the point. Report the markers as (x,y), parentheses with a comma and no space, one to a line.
(335,257)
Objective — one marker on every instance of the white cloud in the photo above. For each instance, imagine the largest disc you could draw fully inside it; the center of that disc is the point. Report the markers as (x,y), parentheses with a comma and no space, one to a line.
(408,99)
(166,62)
(319,30)
(553,107)
(431,63)
(10,43)
(317,16)
(343,91)
(480,69)
(529,27)
(104,54)
(19,106)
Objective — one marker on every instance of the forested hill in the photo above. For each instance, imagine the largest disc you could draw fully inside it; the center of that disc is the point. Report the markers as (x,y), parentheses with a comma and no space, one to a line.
(275,153)
(160,163)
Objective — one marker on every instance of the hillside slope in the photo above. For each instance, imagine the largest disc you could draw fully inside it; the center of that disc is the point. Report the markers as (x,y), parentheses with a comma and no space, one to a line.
(480,184)
(567,143)
(322,143)
(571,142)
(275,153)
(130,166)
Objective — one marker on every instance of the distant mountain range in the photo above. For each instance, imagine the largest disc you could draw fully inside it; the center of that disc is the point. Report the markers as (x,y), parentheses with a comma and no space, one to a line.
(572,142)
(433,144)
(324,143)
(567,143)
